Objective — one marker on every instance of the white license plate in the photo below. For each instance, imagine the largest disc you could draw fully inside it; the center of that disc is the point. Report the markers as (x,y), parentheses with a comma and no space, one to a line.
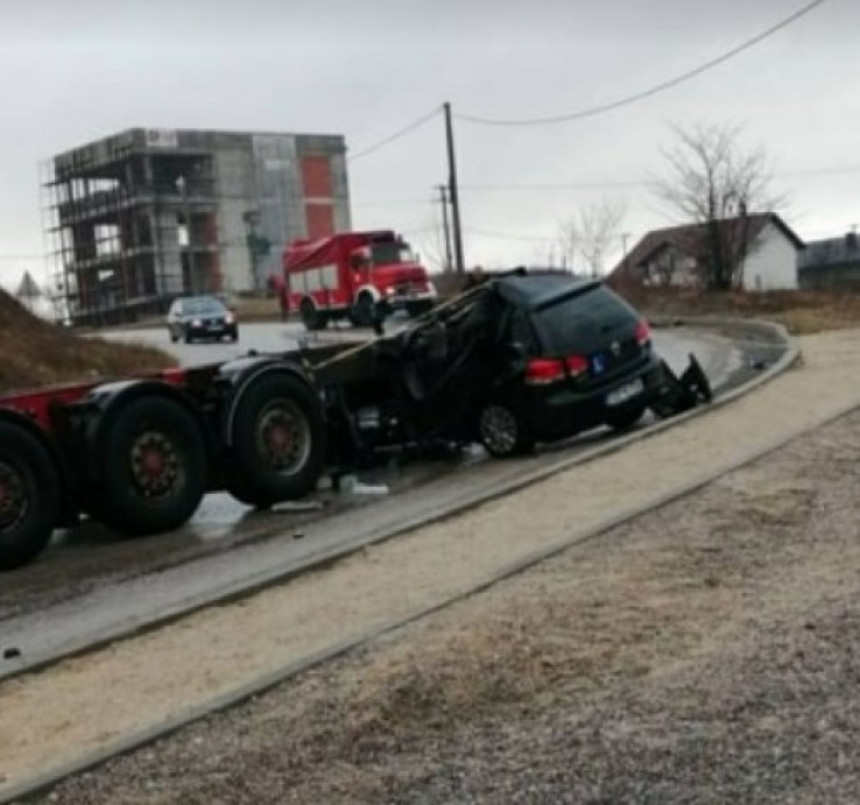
(626,392)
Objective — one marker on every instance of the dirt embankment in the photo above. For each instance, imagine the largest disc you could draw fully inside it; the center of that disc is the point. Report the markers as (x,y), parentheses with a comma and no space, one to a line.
(36,353)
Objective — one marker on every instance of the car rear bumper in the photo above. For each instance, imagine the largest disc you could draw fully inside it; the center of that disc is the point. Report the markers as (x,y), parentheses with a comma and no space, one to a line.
(560,413)
(211,331)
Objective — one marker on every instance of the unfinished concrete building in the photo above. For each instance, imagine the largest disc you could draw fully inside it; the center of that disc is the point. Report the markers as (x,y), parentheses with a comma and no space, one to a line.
(136,219)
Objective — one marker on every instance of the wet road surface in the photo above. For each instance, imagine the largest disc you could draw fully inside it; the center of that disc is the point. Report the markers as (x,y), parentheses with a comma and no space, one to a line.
(90,579)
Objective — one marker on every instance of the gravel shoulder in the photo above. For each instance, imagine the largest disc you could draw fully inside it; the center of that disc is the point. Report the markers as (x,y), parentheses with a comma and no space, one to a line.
(510,694)
(705,652)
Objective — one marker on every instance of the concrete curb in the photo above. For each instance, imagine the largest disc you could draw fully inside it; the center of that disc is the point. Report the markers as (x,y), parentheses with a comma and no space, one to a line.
(318,561)
(46,780)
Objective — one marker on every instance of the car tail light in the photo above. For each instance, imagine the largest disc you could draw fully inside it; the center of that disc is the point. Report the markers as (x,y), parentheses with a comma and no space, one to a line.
(643,333)
(175,375)
(577,365)
(542,371)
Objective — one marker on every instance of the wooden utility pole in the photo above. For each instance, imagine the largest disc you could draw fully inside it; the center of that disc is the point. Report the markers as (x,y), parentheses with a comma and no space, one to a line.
(452,191)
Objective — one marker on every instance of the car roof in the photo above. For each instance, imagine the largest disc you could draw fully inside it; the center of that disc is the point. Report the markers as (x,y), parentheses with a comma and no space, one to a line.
(538,290)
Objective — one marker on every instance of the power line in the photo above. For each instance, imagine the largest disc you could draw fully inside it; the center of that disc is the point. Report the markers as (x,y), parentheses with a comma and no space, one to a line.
(396,135)
(662,87)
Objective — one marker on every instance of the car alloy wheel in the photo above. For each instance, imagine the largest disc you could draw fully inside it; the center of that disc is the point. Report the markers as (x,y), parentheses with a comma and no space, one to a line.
(499,429)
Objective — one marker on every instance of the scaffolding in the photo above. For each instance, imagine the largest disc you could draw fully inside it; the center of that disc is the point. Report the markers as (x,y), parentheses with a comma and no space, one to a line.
(129,229)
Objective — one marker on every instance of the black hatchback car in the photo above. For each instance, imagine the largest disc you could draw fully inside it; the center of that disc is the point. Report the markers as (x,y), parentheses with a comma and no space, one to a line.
(520,359)
(577,356)
(201,317)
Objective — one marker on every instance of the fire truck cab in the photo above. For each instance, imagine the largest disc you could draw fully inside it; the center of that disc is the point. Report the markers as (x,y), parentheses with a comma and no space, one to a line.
(354,275)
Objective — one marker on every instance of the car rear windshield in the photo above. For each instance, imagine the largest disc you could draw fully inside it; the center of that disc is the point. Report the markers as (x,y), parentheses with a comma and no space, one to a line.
(207,305)
(583,321)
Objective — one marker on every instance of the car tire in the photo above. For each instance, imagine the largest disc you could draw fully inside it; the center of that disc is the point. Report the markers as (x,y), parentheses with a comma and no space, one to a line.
(188,337)
(626,418)
(173,337)
(135,496)
(29,496)
(278,441)
(503,431)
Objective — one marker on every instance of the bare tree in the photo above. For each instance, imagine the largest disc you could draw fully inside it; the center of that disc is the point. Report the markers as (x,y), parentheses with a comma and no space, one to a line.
(588,236)
(714,181)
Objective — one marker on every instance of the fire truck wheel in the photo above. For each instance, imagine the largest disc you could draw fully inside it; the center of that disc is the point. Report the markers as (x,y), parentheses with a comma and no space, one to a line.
(153,467)
(311,317)
(279,442)
(29,496)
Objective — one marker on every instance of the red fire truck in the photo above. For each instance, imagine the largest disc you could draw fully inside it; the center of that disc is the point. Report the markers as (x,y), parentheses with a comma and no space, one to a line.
(354,275)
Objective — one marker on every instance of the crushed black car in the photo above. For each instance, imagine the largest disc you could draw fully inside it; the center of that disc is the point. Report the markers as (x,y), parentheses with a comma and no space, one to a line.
(520,359)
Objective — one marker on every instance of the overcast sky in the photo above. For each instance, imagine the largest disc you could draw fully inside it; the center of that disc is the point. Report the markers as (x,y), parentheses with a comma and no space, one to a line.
(76,70)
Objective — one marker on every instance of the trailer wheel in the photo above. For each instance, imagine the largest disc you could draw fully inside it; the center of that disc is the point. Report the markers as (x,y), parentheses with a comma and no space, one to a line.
(503,431)
(312,318)
(279,442)
(29,496)
(153,467)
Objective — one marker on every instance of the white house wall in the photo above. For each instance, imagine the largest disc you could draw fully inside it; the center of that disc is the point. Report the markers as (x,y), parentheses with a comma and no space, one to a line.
(772,266)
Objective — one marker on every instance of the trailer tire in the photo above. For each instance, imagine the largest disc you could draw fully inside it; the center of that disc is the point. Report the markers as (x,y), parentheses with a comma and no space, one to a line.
(29,496)
(278,442)
(153,467)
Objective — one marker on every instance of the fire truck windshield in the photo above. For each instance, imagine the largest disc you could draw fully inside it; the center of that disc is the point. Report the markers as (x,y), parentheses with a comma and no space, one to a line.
(387,253)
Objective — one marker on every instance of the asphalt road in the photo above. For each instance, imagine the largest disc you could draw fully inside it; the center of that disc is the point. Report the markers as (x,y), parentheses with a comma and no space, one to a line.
(90,579)
(261,336)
